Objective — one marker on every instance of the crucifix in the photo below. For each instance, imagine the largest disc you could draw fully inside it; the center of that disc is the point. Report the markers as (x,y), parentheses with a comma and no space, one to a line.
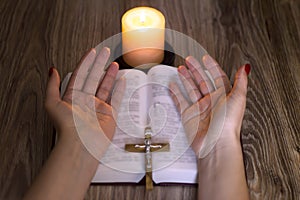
(148,148)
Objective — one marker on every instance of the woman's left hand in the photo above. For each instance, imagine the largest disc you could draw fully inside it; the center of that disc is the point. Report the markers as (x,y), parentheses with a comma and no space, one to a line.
(83,114)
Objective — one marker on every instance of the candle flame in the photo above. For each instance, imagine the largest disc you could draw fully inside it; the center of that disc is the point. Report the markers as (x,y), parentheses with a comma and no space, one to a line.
(143,18)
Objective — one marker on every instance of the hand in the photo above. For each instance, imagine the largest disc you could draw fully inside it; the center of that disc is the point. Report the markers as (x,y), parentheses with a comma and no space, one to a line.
(85,124)
(214,110)
(84,106)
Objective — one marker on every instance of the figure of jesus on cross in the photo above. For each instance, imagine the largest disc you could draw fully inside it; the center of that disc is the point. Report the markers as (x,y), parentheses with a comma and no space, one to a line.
(148,148)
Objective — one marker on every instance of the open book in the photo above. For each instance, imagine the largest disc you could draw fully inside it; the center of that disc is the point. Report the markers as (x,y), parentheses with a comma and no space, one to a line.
(147,103)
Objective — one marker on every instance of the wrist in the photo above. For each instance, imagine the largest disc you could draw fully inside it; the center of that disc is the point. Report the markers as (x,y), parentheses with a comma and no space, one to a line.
(70,146)
(219,144)
(227,148)
(66,174)
(221,154)
(222,170)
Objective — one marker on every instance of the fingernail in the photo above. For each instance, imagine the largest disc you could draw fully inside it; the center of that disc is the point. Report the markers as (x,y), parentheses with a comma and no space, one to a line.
(51,71)
(91,52)
(182,70)
(247,68)
(114,67)
(105,51)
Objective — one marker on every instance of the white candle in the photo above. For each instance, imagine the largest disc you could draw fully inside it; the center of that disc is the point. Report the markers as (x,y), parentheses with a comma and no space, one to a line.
(143,35)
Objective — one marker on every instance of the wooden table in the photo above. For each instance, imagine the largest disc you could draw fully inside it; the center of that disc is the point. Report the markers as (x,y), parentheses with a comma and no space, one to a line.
(35,35)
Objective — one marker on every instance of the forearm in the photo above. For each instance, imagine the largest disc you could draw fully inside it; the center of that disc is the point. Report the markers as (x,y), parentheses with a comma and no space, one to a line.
(66,174)
(222,174)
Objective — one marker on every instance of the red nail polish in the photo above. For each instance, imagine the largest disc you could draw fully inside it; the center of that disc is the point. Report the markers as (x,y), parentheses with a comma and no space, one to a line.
(247,68)
(51,71)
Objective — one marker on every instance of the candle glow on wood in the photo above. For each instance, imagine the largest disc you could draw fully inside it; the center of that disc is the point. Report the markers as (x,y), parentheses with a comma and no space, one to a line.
(143,30)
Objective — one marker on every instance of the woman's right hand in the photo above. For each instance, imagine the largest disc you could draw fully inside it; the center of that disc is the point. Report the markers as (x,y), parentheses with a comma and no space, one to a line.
(214,109)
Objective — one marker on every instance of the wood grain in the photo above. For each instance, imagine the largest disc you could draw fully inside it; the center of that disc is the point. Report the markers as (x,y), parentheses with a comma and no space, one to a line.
(35,35)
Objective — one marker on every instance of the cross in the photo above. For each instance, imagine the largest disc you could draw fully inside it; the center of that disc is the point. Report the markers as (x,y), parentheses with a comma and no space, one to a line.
(148,148)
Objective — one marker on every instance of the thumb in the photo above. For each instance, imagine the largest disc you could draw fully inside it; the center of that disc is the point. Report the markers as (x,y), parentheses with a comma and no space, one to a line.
(237,98)
(52,93)
(241,81)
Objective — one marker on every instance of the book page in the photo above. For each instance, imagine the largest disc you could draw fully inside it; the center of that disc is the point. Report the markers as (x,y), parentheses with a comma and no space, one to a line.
(180,164)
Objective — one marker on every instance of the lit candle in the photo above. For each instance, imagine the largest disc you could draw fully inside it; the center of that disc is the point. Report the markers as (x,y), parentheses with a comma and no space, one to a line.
(143,35)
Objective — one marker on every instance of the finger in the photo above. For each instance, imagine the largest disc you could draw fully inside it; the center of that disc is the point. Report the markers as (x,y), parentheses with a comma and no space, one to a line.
(205,85)
(108,82)
(90,103)
(100,106)
(78,98)
(218,75)
(198,109)
(117,97)
(223,81)
(180,102)
(204,106)
(189,84)
(78,77)
(241,81)
(118,94)
(97,72)
(52,92)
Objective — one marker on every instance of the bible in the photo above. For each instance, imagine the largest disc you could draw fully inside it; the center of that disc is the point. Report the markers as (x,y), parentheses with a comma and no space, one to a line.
(147,103)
